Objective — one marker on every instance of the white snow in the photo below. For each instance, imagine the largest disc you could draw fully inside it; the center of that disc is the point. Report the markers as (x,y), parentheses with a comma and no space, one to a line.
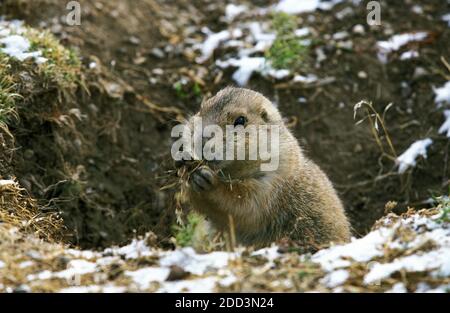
(398,288)
(85,254)
(446,18)
(308,79)
(445,128)
(213,40)
(6,182)
(396,42)
(26,264)
(94,289)
(76,267)
(144,276)
(335,278)
(249,65)
(194,263)
(233,10)
(409,55)
(443,93)
(417,9)
(425,288)
(246,66)
(359,250)
(408,158)
(17,46)
(297,6)
(137,248)
(278,74)
(40,276)
(259,38)
(302,32)
(434,260)
(270,254)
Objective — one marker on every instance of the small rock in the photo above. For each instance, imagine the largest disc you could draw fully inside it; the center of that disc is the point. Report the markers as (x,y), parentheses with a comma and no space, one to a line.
(419,72)
(177,273)
(340,35)
(157,52)
(359,29)
(362,75)
(158,71)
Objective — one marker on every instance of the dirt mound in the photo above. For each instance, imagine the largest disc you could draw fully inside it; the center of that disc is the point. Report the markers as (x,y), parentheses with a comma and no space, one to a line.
(82,142)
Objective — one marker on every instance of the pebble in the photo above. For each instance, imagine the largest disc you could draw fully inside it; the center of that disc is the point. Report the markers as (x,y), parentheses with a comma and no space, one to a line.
(362,75)
(359,29)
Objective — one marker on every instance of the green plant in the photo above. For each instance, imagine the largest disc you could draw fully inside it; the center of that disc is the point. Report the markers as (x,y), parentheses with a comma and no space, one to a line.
(62,65)
(184,234)
(287,51)
(444,204)
(184,91)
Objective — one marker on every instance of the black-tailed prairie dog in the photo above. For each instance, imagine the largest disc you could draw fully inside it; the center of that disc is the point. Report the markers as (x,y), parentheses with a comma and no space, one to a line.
(295,201)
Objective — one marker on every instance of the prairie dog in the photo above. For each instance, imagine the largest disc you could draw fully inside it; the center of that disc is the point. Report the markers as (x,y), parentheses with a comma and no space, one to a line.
(295,201)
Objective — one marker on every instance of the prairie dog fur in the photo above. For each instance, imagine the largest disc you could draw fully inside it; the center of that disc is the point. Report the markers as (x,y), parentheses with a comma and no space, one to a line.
(296,201)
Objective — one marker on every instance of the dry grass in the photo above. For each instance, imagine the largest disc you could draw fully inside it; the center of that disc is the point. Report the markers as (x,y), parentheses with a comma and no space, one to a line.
(19,210)
(376,121)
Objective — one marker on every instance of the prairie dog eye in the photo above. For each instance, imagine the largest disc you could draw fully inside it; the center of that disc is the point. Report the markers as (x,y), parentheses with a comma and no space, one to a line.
(241,120)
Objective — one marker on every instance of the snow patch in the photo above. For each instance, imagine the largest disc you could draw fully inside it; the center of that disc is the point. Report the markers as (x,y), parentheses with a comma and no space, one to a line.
(436,260)
(18,47)
(359,250)
(446,18)
(336,278)
(15,44)
(443,93)
(398,288)
(6,182)
(409,55)
(445,128)
(145,276)
(212,42)
(308,79)
(94,289)
(408,158)
(396,42)
(194,263)
(233,10)
(297,7)
(137,248)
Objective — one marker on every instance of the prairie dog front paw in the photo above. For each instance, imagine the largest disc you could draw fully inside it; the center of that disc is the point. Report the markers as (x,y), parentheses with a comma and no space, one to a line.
(203,179)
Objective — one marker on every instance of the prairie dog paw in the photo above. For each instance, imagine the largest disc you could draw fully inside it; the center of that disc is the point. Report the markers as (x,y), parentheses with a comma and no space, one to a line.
(203,179)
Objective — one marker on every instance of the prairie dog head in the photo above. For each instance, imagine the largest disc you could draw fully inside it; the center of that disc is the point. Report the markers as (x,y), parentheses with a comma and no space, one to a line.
(245,126)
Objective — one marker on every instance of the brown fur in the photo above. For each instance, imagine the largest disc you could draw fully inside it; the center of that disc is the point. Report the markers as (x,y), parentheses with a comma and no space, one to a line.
(296,201)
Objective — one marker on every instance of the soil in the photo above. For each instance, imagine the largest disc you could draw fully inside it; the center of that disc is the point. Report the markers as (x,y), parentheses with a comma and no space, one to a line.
(121,152)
